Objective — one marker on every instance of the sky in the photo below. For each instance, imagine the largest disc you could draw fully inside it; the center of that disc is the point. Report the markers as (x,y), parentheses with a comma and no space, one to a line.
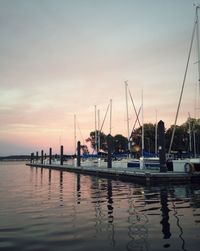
(62,58)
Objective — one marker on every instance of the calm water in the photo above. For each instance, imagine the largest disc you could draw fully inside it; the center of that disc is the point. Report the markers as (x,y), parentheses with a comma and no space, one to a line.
(53,210)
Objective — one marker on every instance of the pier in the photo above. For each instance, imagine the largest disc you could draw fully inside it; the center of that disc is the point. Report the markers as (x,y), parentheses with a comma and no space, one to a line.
(127,174)
(145,176)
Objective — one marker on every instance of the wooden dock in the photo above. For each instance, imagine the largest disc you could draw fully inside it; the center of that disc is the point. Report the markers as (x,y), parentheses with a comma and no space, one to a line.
(127,174)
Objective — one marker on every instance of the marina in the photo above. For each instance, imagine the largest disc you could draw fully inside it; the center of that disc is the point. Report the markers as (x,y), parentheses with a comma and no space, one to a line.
(69,178)
(128,174)
(186,170)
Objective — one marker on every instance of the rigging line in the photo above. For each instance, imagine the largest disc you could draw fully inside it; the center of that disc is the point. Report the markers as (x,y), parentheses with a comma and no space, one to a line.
(136,121)
(80,131)
(183,84)
(198,49)
(137,116)
(104,117)
(127,114)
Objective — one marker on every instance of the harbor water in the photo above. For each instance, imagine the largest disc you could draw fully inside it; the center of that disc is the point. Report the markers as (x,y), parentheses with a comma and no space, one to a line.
(42,209)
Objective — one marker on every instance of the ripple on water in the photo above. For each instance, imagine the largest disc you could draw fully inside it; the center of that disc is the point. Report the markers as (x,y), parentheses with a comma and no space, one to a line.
(49,210)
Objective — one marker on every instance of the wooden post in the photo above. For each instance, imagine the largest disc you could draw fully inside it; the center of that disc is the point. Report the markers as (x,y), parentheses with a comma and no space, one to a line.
(78,153)
(161,146)
(32,157)
(36,157)
(109,144)
(61,155)
(42,157)
(50,155)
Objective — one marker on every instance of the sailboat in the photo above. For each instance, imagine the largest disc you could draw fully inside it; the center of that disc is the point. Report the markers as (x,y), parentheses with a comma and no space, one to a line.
(188,164)
(143,162)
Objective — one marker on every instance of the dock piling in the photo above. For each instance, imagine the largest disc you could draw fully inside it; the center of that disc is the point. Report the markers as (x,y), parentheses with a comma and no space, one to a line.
(109,143)
(161,146)
(42,157)
(37,157)
(50,155)
(61,155)
(32,158)
(78,153)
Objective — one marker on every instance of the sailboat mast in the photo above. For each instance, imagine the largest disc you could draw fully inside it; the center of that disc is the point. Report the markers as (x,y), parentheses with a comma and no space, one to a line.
(142,126)
(95,128)
(110,116)
(190,135)
(198,63)
(156,136)
(183,84)
(127,114)
(198,48)
(75,133)
(99,133)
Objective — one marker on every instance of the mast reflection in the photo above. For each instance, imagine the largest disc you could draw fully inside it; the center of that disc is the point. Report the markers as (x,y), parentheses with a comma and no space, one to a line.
(61,188)
(78,188)
(137,219)
(49,185)
(183,190)
(110,212)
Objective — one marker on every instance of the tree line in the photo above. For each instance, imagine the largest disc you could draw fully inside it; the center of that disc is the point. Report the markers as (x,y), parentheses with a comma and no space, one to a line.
(186,139)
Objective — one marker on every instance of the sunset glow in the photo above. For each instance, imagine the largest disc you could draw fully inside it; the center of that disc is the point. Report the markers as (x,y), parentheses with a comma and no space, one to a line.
(60,58)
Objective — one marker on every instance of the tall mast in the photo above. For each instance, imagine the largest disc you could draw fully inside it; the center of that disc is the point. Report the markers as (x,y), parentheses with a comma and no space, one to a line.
(75,134)
(95,128)
(127,114)
(142,125)
(156,136)
(99,133)
(110,116)
(198,63)
(184,78)
(194,143)
(190,135)
(198,49)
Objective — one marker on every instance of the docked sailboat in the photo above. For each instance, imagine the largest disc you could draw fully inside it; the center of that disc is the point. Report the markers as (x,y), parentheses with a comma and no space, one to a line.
(143,162)
(188,164)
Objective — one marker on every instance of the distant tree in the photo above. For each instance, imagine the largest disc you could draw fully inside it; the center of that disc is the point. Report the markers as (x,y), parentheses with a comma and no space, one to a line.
(120,143)
(183,133)
(180,143)
(149,138)
(93,141)
(84,149)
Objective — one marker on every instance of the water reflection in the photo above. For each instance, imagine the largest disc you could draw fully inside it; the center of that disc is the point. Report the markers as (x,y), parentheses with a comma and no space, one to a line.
(165,213)
(109,201)
(49,185)
(137,218)
(49,176)
(67,209)
(111,228)
(78,188)
(175,193)
(96,201)
(61,188)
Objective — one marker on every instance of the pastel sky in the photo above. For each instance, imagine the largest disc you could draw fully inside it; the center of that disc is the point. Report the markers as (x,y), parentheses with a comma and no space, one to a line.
(60,58)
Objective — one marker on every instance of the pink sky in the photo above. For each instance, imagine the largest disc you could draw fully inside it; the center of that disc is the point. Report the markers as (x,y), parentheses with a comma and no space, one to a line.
(60,58)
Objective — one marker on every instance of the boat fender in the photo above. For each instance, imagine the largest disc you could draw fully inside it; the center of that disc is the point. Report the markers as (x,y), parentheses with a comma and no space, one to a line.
(189,168)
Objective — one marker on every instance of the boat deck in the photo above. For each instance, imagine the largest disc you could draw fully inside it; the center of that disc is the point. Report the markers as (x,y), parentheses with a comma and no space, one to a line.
(128,174)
